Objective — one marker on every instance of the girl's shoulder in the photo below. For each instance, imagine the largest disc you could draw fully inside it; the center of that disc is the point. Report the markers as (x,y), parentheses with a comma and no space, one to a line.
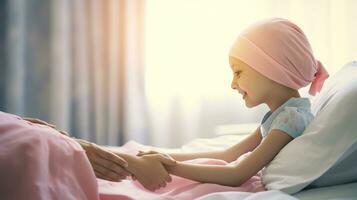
(293,120)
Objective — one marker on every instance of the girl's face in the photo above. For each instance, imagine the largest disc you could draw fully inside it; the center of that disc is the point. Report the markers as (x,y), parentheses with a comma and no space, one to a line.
(253,86)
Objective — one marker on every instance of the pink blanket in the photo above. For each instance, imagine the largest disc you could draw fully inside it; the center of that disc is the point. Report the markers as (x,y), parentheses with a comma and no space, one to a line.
(178,189)
(37,162)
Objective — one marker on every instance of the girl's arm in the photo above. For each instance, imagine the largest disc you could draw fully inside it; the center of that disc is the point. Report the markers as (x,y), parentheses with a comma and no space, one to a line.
(247,144)
(238,174)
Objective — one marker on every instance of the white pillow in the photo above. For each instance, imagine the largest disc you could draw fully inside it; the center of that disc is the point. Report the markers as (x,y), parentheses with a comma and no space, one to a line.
(330,136)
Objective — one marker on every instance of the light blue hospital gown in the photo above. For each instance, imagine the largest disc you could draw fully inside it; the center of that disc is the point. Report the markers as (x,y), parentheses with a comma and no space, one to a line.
(292,117)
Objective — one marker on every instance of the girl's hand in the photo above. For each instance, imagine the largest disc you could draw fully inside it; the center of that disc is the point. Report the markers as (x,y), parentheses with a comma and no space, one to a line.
(149,170)
(105,164)
(152,152)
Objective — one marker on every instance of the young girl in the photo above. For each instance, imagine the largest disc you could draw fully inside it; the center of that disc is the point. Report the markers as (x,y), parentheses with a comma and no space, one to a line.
(270,61)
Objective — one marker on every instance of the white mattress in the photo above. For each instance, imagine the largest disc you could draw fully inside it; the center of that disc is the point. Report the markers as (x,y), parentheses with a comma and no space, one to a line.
(337,192)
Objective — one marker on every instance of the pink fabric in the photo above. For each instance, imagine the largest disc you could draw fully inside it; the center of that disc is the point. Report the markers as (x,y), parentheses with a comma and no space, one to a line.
(178,189)
(279,50)
(37,162)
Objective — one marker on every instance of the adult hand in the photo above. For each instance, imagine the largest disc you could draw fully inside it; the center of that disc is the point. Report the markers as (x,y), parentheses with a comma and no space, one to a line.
(38,121)
(105,164)
(149,170)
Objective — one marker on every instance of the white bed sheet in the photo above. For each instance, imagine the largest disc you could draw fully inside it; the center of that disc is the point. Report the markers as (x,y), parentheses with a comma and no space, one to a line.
(268,195)
(337,192)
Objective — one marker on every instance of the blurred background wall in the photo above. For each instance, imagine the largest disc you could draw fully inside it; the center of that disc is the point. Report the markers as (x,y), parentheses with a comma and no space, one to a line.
(154,71)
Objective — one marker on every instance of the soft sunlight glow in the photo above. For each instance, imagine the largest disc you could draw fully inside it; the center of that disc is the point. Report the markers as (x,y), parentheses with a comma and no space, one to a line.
(187,75)
(187,42)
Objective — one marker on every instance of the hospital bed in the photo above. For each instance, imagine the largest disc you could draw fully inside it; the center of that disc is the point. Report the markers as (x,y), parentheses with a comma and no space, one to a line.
(322,161)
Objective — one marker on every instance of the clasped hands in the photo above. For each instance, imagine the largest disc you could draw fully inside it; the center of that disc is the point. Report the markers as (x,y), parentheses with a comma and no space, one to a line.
(146,167)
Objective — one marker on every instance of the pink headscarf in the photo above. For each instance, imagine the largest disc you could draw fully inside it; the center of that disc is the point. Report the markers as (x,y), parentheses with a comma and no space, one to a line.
(279,50)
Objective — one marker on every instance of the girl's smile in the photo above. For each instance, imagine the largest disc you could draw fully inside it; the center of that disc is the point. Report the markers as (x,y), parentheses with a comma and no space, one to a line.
(253,86)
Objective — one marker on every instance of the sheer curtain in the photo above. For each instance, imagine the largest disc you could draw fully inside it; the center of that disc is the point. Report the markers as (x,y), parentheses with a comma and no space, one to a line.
(187,73)
(79,65)
(154,71)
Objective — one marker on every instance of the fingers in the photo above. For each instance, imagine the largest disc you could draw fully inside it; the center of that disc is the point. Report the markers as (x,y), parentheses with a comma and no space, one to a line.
(38,121)
(162,176)
(108,174)
(105,163)
(163,159)
(99,175)
(166,160)
(163,184)
(150,187)
(64,133)
(165,176)
(153,187)
(100,157)
(108,165)
(106,177)
(146,184)
(110,156)
(141,153)
(105,173)
(51,125)
(168,178)
(158,185)
(153,184)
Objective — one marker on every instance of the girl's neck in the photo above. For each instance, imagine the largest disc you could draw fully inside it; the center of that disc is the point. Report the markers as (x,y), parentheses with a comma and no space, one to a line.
(279,98)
